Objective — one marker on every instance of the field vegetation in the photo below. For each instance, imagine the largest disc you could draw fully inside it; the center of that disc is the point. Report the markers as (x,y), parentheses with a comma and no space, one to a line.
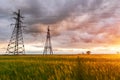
(60,67)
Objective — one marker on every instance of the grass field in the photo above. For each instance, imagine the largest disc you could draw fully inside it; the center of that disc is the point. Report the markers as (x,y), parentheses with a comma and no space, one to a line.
(60,67)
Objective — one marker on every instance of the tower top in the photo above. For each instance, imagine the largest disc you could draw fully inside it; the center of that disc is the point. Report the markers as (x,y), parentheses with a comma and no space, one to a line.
(48,29)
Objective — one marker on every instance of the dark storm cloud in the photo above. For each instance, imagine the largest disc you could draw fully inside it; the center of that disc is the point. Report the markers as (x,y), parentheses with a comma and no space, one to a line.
(49,12)
(56,11)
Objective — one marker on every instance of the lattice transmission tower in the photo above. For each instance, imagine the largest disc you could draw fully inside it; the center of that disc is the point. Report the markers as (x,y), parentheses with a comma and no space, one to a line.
(48,45)
(16,44)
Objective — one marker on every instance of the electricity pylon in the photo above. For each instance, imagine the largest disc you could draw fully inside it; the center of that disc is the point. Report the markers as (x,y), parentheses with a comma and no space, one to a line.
(16,44)
(48,45)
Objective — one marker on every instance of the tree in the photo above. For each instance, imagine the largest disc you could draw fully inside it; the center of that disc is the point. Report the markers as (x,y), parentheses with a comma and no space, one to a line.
(88,52)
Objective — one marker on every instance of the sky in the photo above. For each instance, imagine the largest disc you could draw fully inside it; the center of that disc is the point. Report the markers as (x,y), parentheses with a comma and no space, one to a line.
(76,25)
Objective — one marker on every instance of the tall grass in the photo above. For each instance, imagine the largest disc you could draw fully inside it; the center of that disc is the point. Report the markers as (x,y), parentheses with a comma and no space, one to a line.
(60,67)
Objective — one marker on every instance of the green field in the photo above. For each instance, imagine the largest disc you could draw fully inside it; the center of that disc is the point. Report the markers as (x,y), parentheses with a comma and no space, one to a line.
(60,67)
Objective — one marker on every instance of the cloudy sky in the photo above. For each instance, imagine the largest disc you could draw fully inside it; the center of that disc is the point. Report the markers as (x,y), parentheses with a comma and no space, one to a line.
(76,25)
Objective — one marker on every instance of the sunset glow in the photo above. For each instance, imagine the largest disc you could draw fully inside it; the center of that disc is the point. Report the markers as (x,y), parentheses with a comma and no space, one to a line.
(76,25)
